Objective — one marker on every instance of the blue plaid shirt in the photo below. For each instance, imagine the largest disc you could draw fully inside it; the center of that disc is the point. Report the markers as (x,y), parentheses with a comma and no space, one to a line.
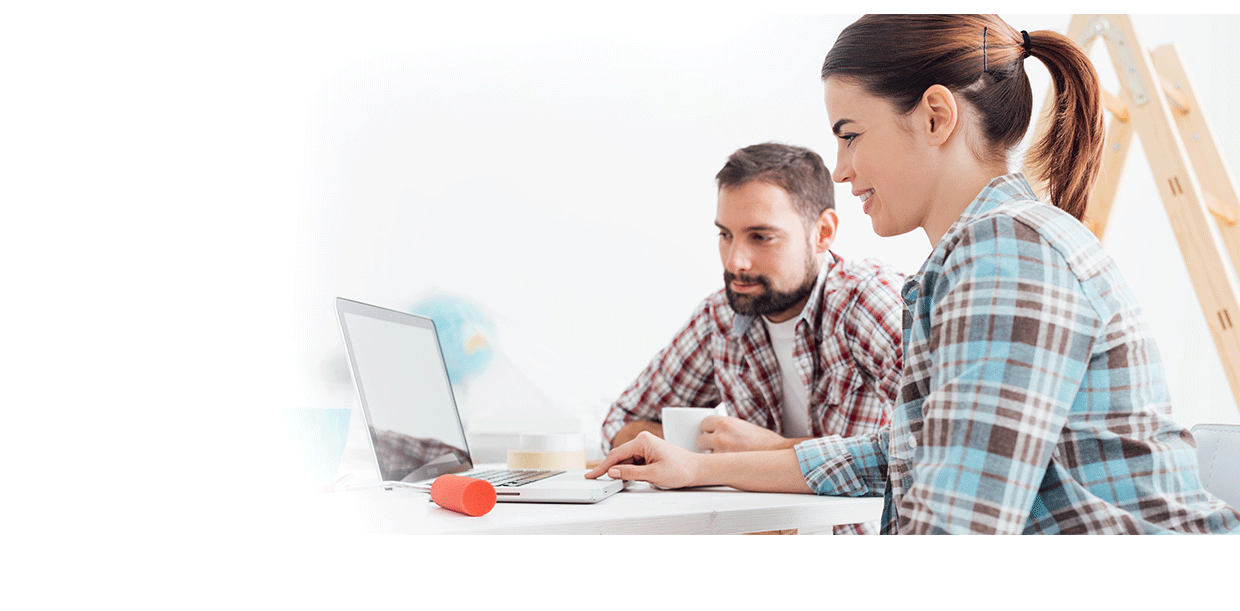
(1032,398)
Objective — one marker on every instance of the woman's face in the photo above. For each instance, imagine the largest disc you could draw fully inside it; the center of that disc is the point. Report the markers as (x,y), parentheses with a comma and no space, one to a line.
(882,156)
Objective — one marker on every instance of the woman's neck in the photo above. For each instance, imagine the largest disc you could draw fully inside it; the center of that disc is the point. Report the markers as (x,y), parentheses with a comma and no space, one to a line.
(955,193)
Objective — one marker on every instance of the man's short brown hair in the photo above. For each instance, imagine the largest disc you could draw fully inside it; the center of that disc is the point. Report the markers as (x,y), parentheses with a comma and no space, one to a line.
(797,170)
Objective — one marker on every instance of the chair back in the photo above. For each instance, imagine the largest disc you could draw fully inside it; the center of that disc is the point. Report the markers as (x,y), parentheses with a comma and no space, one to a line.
(1218,454)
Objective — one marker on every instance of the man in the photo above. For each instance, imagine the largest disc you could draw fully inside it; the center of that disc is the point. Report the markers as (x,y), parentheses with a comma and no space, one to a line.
(799,343)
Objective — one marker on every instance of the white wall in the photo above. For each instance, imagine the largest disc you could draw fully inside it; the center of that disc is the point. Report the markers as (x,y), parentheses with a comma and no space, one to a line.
(561,175)
(187,190)
(186,186)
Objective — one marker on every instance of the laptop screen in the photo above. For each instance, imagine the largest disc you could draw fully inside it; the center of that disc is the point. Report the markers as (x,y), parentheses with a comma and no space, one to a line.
(405,392)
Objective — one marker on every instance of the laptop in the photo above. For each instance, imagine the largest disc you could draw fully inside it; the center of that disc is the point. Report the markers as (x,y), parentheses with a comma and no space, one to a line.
(411,415)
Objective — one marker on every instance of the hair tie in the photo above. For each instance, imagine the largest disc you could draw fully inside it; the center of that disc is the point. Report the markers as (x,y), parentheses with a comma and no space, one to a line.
(1028,44)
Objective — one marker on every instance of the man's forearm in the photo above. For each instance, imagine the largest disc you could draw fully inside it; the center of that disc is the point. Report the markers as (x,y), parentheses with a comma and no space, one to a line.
(791,442)
(630,430)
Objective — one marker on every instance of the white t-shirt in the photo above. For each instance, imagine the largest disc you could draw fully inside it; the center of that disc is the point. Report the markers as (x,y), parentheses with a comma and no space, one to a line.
(796,395)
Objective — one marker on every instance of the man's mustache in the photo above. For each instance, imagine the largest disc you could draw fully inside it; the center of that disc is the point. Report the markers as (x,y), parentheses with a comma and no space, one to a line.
(728,277)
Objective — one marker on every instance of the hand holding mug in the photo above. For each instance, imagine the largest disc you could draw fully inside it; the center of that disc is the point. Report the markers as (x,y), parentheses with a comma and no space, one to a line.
(728,434)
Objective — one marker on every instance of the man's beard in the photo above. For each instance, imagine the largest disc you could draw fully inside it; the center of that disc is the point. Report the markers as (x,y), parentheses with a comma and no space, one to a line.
(768,301)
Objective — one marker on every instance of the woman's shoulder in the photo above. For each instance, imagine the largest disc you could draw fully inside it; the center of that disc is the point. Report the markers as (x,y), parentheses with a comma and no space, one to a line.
(1028,220)
(1033,230)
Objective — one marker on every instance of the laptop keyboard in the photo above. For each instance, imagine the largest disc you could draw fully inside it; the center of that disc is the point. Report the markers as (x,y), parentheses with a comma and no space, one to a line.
(511,478)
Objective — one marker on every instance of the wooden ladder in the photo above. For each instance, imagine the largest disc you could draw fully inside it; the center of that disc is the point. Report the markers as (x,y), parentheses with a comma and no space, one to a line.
(1197,189)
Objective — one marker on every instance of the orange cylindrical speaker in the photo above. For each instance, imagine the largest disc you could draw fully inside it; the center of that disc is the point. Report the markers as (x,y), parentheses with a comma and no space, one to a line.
(472,497)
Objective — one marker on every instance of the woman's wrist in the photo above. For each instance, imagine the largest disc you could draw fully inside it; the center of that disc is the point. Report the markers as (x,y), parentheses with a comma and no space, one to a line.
(763,471)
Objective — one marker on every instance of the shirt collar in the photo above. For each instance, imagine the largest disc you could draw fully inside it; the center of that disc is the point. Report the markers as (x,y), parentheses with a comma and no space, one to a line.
(1002,189)
(742,322)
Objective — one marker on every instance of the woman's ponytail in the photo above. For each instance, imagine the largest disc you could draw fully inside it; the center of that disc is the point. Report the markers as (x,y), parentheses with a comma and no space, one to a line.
(1068,156)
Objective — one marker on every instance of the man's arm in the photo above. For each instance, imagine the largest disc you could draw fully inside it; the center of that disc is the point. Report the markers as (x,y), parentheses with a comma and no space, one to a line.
(728,434)
(719,434)
(632,429)
(874,332)
(682,374)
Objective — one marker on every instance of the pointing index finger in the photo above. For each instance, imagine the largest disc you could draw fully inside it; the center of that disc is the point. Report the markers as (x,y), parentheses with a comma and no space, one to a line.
(621,453)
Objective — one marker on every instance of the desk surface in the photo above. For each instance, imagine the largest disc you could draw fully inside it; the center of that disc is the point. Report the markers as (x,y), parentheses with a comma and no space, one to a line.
(639,510)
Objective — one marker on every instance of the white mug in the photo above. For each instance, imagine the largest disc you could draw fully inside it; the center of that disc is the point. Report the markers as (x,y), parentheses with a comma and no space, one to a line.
(682,425)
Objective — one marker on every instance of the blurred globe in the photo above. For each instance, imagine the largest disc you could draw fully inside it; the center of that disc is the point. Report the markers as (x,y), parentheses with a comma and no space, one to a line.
(466,333)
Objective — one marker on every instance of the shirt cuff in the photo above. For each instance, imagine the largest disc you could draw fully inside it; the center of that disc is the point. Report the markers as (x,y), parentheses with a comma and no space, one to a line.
(829,465)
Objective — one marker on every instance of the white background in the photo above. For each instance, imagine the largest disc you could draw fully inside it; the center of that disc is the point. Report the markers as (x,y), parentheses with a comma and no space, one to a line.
(186,200)
(186,188)
(562,176)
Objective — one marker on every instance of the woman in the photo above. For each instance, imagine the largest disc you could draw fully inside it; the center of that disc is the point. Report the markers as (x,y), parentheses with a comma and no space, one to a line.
(1032,398)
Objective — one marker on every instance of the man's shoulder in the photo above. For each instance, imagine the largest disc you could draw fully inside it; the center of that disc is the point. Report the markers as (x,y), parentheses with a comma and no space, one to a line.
(861,292)
(858,271)
(715,311)
(852,279)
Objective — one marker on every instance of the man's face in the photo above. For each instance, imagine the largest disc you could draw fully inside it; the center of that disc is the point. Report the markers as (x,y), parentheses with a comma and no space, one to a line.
(769,263)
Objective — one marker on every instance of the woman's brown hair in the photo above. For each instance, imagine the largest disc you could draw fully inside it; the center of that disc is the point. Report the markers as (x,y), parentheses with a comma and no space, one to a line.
(981,58)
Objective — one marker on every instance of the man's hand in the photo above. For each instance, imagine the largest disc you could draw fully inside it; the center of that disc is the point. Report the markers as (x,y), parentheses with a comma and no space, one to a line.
(650,459)
(728,434)
(630,430)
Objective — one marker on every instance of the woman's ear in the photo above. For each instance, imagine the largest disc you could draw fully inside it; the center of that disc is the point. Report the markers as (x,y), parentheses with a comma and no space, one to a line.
(939,113)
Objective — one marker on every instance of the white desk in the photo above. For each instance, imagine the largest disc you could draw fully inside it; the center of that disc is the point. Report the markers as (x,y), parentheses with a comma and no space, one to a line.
(639,510)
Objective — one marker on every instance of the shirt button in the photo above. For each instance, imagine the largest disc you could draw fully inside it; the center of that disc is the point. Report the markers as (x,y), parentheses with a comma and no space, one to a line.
(912,441)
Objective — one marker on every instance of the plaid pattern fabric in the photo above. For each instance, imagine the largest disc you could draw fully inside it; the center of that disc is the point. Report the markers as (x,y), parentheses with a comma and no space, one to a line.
(399,454)
(1033,397)
(847,352)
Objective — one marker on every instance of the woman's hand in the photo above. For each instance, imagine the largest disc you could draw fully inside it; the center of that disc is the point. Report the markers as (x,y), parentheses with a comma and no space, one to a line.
(648,458)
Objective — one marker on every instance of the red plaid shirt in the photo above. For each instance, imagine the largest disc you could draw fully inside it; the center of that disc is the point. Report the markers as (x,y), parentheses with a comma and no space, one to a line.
(847,352)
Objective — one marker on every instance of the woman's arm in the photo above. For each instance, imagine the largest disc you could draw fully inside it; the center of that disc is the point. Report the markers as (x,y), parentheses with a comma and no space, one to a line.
(651,459)
(853,466)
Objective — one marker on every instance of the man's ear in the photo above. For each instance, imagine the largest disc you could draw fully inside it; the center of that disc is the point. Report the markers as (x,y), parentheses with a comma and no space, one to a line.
(937,114)
(824,230)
